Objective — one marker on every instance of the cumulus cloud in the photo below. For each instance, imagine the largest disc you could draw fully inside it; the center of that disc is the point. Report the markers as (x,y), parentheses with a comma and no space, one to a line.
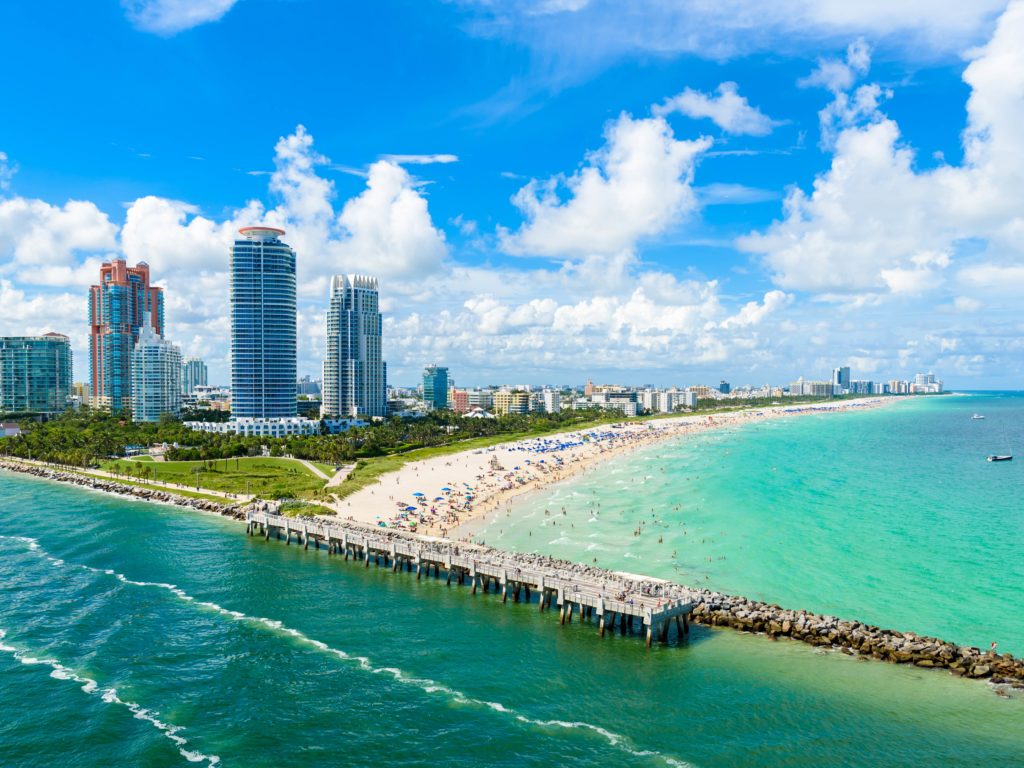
(168,17)
(753,313)
(387,228)
(638,184)
(728,110)
(34,234)
(875,224)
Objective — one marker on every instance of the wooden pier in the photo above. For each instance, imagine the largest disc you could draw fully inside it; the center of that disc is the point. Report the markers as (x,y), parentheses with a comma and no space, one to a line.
(605,597)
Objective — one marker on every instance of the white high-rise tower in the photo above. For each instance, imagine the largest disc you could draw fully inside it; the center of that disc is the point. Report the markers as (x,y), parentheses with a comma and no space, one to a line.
(156,377)
(354,375)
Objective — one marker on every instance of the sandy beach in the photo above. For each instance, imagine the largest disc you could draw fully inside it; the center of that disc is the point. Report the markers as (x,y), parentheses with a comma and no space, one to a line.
(436,496)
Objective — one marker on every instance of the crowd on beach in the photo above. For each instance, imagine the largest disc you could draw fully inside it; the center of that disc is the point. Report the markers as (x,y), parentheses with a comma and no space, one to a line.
(436,496)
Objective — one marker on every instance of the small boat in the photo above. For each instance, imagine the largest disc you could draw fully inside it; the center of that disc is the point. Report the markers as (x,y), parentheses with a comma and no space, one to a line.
(977,417)
(1000,458)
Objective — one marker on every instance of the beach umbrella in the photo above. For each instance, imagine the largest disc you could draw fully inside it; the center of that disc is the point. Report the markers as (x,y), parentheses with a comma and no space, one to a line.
(446,488)
(417,493)
(439,498)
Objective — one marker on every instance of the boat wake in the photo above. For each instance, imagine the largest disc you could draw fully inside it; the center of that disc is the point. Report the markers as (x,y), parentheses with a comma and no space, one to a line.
(427,685)
(59,671)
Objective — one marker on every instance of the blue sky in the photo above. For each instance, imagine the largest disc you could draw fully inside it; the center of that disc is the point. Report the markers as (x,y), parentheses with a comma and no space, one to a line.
(549,190)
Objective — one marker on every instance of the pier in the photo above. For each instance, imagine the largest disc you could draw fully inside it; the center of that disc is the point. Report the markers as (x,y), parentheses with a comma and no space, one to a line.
(609,599)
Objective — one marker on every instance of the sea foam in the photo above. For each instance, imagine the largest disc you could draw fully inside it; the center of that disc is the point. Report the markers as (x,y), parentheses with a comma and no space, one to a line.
(426,685)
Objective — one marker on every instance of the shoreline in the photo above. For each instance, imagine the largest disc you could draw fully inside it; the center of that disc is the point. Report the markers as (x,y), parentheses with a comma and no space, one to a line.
(714,609)
(443,495)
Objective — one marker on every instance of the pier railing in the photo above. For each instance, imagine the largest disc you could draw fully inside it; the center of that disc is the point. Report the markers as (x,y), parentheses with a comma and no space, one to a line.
(595,594)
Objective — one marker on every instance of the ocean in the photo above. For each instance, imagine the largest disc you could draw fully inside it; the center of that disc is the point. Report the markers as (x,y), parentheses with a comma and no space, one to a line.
(143,634)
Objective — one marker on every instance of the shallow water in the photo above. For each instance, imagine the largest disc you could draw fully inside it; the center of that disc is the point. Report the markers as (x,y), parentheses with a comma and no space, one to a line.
(142,634)
(891,516)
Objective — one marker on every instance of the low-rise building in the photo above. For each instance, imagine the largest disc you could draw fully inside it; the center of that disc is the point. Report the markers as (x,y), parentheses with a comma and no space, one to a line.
(257,427)
(552,401)
(337,426)
(511,402)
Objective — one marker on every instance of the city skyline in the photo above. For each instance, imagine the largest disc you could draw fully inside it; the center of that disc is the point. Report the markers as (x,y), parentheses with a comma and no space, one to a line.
(776,207)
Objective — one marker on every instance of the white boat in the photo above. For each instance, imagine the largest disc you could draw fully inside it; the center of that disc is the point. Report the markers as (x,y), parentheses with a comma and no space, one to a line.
(1000,458)
(976,417)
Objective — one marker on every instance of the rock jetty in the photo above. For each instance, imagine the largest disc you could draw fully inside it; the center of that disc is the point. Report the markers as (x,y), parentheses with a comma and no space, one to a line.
(713,609)
(236,511)
(856,638)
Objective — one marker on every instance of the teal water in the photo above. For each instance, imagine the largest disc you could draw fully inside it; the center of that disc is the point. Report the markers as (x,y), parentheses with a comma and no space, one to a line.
(891,516)
(140,634)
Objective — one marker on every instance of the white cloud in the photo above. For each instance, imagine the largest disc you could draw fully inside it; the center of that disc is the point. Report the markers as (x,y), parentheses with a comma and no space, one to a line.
(581,33)
(728,110)
(387,229)
(168,17)
(754,313)
(997,278)
(874,223)
(34,233)
(420,159)
(635,186)
(966,304)
(838,74)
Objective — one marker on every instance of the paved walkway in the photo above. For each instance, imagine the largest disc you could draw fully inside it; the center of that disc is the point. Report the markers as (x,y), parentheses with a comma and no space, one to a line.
(313,468)
(340,475)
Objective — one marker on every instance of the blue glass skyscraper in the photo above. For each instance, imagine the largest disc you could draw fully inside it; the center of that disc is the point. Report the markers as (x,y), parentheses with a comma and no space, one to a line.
(263,368)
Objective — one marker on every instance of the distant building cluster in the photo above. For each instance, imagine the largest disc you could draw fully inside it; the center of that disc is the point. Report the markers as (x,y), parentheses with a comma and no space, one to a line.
(841,384)
(133,365)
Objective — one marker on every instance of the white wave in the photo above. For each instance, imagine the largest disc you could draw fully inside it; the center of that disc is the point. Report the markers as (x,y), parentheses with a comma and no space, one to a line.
(424,684)
(59,671)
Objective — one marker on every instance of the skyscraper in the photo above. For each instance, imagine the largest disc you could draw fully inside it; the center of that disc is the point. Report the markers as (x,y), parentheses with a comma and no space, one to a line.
(193,374)
(35,373)
(156,377)
(355,375)
(119,306)
(262,325)
(841,380)
(435,387)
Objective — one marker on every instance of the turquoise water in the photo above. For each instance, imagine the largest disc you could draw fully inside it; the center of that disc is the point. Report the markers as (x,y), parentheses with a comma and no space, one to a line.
(891,516)
(140,634)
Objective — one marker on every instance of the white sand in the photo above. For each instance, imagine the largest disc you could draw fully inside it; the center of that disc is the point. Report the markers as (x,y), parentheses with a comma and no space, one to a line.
(482,480)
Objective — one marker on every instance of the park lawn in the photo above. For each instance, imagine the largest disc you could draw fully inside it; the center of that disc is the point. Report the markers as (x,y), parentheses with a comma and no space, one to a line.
(266,477)
(143,457)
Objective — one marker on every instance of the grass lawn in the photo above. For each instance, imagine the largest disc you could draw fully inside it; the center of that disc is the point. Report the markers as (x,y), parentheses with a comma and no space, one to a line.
(266,477)
(327,469)
(144,457)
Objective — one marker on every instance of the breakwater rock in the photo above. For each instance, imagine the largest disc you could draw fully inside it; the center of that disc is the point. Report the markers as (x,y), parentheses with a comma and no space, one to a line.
(856,638)
(123,489)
